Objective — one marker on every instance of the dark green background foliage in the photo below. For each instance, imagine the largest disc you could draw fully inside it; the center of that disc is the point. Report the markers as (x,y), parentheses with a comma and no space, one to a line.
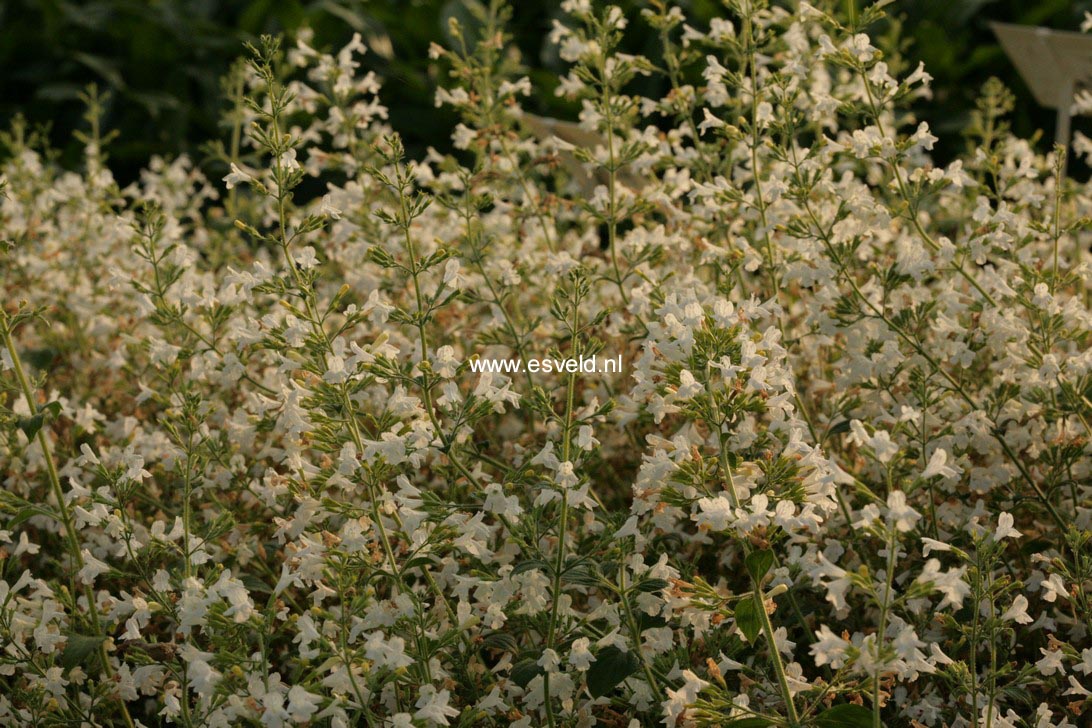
(163,60)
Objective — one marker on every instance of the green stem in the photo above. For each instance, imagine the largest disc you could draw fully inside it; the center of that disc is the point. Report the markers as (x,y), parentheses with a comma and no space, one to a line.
(563,523)
(635,633)
(65,515)
(760,604)
(775,656)
(889,576)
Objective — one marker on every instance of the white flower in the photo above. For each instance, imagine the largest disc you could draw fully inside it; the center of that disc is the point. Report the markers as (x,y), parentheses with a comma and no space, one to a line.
(566,476)
(937,466)
(305,258)
(1004,528)
(679,700)
(452,277)
(327,208)
(1053,587)
(1075,688)
(709,122)
(445,362)
(1018,612)
(25,546)
(1051,662)
(134,466)
(237,176)
(203,678)
(54,681)
(580,656)
(549,661)
(899,513)
(387,652)
(838,584)
(92,568)
(949,583)
(585,440)
(288,161)
(715,513)
(237,596)
(932,545)
(433,706)
(87,456)
(688,386)
(302,704)
(880,443)
(829,649)
(629,528)
(1086,661)
(883,446)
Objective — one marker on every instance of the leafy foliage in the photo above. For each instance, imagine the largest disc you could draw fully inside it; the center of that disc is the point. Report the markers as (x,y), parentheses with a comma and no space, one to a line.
(256,472)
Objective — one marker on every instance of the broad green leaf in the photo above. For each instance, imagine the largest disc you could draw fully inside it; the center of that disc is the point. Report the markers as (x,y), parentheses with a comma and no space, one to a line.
(845,716)
(32,425)
(500,641)
(748,619)
(78,649)
(759,563)
(255,584)
(525,671)
(610,668)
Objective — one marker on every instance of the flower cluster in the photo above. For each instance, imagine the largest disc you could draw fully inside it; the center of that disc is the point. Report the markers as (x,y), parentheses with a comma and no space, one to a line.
(843,479)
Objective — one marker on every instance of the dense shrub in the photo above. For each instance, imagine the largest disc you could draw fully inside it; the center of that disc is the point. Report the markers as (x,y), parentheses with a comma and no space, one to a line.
(844,478)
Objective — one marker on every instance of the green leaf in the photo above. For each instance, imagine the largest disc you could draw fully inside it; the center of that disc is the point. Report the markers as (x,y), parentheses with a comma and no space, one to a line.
(538,564)
(610,668)
(32,425)
(78,648)
(845,716)
(26,513)
(500,641)
(759,564)
(102,66)
(353,20)
(839,428)
(255,584)
(652,585)
(418,561)
(581,574)
(748,619)
(755,722)
(525,671)
(44,358)
(649,621)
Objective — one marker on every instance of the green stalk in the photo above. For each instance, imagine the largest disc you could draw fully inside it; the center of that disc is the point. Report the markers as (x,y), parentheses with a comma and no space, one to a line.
(612,182)
(58,494)
(563,524)
(775,656)
(635,632)
(889,576)
(760,604)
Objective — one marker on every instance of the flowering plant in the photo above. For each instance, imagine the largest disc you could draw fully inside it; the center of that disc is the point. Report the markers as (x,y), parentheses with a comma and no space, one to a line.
(843,478)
